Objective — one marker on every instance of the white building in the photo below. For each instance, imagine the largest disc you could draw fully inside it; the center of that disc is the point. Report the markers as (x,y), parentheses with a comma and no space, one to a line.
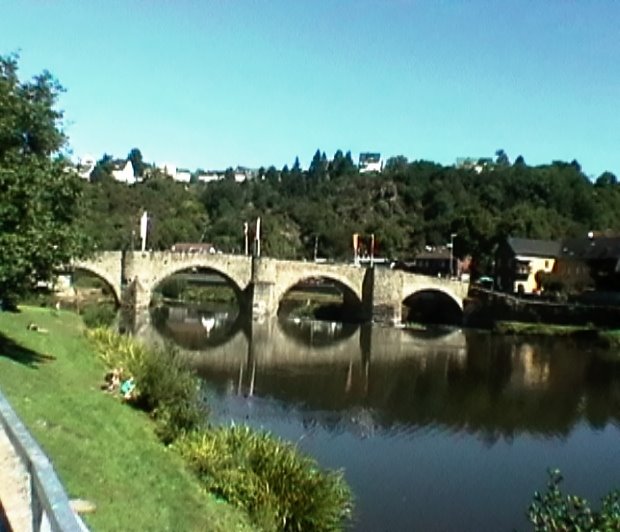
(168,169)
(183,175)
(208,178)
(370,162)
(477,164)
(123,171)
(85,165)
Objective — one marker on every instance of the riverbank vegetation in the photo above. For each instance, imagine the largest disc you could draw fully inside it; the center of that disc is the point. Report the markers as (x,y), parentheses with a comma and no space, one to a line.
(541,329)
(277,486)
(71,416)
(280,489)
(102,450)
(555,510)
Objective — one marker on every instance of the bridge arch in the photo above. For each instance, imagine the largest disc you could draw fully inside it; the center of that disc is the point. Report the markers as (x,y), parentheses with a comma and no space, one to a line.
(100,273)
(106,266)
(433,305)
(181,268)
(200,262)
(351,296)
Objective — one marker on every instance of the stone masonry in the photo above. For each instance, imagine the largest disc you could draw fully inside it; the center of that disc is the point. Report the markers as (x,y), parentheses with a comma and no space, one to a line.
(260,284)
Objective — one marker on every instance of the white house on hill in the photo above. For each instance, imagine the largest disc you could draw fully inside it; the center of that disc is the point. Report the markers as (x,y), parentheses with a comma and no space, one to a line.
(370,162)
(123,171)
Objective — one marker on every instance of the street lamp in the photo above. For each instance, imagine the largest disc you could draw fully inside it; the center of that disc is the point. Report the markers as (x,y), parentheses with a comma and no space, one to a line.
(452,235)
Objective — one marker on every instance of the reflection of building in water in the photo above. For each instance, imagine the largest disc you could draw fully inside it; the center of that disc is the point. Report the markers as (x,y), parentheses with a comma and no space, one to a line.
(528,368)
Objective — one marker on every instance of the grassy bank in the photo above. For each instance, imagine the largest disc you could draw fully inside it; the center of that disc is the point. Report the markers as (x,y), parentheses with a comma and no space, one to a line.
(102,450)
(541,329)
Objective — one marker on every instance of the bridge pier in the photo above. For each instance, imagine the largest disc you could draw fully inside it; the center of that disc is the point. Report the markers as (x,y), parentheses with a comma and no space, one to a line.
(263,297)
(385,296)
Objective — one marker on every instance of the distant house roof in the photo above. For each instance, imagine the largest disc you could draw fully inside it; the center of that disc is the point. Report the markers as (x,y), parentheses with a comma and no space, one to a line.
(119,164)
(591,248)
(534,248)
(370,157)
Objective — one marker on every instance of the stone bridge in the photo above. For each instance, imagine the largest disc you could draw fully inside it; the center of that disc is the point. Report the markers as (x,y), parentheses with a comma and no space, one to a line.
(260,283)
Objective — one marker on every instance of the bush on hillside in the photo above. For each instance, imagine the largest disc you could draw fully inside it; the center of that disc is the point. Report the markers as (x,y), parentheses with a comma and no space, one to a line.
(164,387)
(98,315)
(280,488)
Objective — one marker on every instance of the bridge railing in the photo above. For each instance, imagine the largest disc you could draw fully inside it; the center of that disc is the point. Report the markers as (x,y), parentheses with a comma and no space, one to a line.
(49,504)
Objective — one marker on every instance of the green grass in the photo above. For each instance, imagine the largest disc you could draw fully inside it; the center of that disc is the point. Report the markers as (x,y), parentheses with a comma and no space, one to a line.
(102,450)
(542,329)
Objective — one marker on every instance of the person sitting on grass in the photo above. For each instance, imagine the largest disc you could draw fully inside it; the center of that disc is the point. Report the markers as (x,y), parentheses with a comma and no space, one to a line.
(127,389)
(113,380)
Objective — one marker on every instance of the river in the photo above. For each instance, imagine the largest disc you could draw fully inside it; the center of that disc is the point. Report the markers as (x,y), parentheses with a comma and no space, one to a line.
(443,430)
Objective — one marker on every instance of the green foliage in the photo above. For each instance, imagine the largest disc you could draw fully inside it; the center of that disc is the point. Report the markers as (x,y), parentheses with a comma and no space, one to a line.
(173,287)
(280,488)
(135,156)
(38,194)
(557,511)
(408,206)
(98,315)
(164,386)
(55,378)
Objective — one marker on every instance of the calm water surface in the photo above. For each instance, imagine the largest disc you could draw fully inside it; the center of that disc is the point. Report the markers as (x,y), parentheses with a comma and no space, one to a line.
(451,430)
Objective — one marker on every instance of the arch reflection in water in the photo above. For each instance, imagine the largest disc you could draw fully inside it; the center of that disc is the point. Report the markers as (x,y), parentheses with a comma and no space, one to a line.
(196,327)
(461,381)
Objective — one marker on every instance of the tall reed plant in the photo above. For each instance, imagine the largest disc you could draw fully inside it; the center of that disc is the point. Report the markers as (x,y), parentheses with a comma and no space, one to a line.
(280,488)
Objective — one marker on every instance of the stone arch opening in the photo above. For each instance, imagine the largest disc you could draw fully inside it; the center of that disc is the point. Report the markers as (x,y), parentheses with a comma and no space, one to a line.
(321,298)
(90,281)
(197,306)
(432,306)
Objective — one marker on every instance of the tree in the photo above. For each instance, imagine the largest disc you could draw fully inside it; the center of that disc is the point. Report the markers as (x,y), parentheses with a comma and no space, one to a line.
(103,169)
(501,158)
(606,179)
(318,166)
(296,170)
(135,156)
(396,164)
(38,192)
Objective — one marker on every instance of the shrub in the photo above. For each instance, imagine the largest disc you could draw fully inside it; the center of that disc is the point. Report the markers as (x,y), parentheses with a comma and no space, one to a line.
(98,315)
(556,511)
(170,391)
(280,488)
(164,387)
(173,287)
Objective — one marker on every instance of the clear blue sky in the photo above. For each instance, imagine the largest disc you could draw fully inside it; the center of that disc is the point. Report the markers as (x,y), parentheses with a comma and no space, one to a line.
(225,82)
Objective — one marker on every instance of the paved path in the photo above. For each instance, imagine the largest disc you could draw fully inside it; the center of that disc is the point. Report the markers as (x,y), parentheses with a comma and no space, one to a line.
(14,487)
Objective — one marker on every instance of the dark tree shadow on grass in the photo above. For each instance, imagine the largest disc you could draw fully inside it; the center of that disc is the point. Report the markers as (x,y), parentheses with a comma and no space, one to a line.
(11,349)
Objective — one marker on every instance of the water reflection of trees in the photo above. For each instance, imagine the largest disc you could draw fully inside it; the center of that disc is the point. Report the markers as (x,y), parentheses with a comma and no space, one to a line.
(497,388)
(375,379)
